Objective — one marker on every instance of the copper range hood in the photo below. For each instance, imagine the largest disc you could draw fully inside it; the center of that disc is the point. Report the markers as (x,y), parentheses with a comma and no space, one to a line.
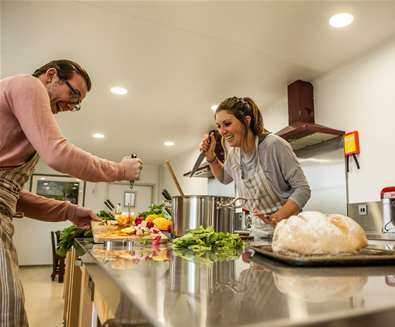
(302,131)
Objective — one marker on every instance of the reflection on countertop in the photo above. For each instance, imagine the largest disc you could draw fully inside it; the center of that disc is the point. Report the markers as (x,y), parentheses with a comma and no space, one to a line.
(250,290)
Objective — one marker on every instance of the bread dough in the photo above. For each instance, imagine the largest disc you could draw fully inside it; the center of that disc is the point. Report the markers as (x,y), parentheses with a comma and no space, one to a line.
(314,233)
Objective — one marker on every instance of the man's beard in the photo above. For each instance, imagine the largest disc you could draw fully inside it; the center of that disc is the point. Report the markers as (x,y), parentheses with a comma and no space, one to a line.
(55,108)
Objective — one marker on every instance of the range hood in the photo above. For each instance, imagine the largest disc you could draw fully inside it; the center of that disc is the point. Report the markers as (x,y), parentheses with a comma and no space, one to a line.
(302,131)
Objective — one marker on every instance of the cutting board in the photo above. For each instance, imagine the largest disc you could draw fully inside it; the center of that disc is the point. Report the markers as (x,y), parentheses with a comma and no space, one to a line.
(100,235)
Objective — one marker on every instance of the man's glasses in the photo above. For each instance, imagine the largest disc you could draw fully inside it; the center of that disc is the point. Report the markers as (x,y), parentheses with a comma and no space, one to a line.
(75,96)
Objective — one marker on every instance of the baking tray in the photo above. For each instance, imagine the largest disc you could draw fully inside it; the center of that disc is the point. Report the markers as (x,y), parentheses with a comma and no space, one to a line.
(368,256)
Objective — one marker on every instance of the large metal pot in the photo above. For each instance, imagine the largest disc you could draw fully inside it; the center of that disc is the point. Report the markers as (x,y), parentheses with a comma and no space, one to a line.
(192,211)
(188,277)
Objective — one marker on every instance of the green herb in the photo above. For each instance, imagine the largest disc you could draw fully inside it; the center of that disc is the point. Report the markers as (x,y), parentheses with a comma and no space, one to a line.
(67,236)
(105,215)
(207,257)
(203,239)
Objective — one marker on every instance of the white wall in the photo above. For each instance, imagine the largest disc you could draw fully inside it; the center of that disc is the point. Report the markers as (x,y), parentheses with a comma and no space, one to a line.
(357,96)
(275,117)
(37,250)
(361,96)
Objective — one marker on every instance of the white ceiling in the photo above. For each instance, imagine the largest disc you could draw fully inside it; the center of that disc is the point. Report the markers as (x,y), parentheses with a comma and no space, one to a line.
(179,58)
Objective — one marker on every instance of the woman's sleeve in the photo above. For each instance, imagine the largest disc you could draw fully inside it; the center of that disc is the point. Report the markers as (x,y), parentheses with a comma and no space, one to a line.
(226,176)
(292,172)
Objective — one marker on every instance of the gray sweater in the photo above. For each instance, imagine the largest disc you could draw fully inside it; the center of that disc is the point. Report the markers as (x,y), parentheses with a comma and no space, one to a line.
(280,166)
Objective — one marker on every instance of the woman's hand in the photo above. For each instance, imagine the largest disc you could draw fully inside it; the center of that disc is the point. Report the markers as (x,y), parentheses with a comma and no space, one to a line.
(208,146)
(267,219)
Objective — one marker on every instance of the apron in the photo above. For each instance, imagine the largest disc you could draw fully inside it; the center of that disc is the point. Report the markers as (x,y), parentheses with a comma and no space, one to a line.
(12,310)
(256,189)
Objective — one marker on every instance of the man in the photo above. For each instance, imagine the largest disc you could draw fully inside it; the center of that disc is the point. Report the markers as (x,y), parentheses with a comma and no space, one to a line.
(28,131)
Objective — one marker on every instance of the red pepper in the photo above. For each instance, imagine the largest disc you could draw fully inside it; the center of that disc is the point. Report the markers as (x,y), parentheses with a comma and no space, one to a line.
(138,221)
(156,240)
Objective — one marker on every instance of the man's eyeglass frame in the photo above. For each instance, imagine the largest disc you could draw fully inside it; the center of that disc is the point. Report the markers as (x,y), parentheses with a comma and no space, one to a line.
(76,93)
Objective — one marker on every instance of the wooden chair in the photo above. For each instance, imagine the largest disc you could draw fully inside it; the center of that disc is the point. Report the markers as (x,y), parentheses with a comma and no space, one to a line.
(58,266)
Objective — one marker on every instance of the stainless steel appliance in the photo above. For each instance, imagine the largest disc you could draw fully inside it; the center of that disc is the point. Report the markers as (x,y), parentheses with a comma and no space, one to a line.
(192,211)
(325,169)
(377,218)
(388,214)
(388,198)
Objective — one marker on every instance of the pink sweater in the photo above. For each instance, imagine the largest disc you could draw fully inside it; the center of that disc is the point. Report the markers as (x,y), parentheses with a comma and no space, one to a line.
(28,125)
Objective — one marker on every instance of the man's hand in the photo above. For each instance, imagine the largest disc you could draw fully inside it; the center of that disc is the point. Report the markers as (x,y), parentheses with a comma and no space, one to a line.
(83,218)
(133,168)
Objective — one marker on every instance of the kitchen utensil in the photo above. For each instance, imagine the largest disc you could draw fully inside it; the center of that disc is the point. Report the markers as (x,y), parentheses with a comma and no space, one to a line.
(133,156)
(109,205)
(166,194)
(201,156)
(173,175)
(192,211)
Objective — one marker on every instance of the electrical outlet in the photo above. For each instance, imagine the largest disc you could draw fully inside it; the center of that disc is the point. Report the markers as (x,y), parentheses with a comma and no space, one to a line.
(363,209)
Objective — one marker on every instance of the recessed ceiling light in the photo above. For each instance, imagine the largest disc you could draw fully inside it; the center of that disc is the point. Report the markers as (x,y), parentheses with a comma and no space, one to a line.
(98,135)
(341,20)
(214,107)
(119,90)
(169,143)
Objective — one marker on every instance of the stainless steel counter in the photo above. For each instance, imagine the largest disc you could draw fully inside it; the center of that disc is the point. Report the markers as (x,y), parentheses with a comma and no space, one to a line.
(153,284)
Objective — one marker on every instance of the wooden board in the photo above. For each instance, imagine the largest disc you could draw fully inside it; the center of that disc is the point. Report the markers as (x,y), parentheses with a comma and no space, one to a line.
(98,237)
(367,256)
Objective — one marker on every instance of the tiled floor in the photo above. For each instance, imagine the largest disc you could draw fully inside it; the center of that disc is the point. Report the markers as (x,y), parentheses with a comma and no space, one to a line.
(44,301)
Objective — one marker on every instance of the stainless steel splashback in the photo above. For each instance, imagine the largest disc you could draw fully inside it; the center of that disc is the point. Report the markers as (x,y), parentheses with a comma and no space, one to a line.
(325,169)
(368,214)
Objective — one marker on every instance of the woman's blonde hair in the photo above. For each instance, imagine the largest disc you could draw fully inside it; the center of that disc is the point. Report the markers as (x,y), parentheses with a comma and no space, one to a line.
(242,107)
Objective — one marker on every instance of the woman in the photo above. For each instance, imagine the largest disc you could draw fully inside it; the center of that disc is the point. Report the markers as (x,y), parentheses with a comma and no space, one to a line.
(262,165)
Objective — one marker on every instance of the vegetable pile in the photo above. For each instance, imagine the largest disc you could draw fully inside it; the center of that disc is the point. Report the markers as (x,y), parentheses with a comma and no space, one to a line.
(206,239)
(67,236)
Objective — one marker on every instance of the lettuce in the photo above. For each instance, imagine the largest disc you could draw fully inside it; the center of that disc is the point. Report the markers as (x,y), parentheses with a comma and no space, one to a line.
(206,239)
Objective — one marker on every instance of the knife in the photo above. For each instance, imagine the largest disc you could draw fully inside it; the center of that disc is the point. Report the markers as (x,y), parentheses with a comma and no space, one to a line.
(166,194)
(201,156)
(133,156)
(109,205)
